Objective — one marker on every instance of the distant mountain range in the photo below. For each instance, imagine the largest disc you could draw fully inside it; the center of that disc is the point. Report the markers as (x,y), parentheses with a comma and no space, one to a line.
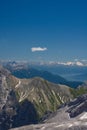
(68,63)
(76,62)
(69,72)
(21,71)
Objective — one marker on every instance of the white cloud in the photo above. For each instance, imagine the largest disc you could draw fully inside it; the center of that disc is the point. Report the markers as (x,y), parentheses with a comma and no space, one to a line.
(33,49)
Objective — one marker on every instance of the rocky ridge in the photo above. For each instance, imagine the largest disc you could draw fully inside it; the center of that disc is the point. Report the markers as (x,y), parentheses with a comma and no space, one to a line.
(62,119)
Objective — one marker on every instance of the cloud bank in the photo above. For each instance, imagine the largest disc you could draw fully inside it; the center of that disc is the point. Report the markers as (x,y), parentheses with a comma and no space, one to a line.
(33,49)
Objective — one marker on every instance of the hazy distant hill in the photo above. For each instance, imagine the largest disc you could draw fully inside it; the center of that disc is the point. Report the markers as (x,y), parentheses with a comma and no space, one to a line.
(80,77)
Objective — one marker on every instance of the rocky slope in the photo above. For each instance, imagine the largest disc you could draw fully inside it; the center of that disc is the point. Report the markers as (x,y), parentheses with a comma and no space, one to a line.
(13,113)
(8,101)
(72,116)
(26,101)
(44,95)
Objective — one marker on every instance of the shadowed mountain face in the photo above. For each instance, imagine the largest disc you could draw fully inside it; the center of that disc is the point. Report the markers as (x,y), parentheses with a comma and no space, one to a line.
(62,119)
(26,114)
(8,110)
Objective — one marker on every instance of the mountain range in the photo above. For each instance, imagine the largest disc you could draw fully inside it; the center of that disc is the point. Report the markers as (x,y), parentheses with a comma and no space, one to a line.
(75,62)
(25,71)
(69,72)
(26,101)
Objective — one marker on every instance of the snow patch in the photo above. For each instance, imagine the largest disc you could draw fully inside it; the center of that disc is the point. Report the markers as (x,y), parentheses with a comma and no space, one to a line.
(43,128)
(59,125)
(18,84)
(70,125)
(84,116)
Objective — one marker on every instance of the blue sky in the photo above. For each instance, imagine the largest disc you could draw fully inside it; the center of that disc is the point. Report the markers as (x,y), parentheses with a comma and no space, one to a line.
(59,26)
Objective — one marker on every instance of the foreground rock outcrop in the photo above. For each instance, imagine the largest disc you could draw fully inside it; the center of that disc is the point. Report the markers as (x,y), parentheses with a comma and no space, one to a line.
(62,119)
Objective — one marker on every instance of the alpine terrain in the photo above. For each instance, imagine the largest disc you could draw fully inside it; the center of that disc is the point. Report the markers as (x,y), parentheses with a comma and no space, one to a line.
(31,101)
